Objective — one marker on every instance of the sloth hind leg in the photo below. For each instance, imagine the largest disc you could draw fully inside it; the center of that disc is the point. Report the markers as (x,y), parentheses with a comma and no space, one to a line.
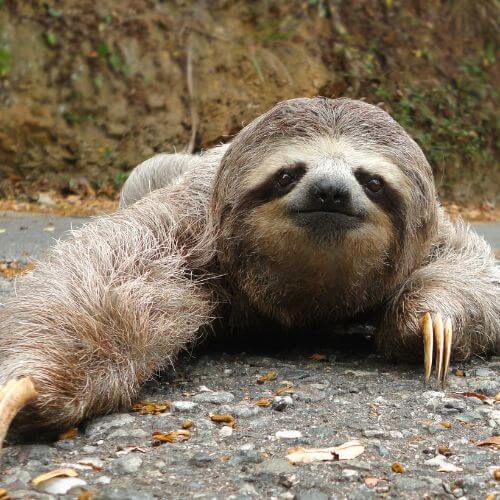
(157,172)
(99,317)
(451,304)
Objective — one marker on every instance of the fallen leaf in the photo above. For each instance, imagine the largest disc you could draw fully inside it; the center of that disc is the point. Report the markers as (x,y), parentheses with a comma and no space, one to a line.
(398,468)
(170,437)
(85,495)
(493,442)
(149,408)
(222,419)
(61,485)
(49,229)
(187,424)
(69,434)
(94,463)
(497,397)
(4,494)
(346,451)
(264,402)
(130,449)
(2,230)
(482,397)
(54,473)
(444,450)
(283,390)
(446,425)
(496,475)
(459,373)
(267,377)
(443,464)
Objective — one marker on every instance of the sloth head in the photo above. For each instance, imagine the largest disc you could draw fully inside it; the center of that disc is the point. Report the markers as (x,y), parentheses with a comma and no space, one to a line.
(322,206)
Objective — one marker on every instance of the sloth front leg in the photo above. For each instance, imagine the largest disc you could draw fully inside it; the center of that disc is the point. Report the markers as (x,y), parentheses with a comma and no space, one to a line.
(449,306)
(99,317)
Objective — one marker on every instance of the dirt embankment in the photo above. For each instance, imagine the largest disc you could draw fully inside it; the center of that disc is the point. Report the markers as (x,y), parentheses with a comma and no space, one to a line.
(90,89)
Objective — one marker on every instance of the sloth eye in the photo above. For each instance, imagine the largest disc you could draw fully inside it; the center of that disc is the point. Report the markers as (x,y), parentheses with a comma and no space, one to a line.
(374,185)
(285,179)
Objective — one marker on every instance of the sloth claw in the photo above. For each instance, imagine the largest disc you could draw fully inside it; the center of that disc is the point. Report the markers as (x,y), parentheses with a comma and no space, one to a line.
(437,337)
(14,395)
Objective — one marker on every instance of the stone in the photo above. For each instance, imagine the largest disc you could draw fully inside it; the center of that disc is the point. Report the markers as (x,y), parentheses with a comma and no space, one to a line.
(183,405)
(280,403)
(201,459)
(246,457)
(214,397)
(288,435)
(225,431)
(311,494)
(128,464)
(275,466)
(100,425)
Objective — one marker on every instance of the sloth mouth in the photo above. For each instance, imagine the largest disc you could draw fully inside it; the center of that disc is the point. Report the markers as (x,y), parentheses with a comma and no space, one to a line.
(333,213)
(322,223)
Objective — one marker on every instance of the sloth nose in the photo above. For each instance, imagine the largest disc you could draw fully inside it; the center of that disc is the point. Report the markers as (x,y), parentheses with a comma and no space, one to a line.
(329,195)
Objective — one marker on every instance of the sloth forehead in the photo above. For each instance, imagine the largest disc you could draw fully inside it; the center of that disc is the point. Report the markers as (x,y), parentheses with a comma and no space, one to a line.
(341,150)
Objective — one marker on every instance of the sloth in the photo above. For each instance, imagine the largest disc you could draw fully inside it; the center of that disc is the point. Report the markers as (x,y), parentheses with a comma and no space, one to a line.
(318,211)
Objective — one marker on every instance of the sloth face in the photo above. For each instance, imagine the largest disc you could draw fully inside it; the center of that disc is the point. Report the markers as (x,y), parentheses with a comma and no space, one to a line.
(323,189)
(321,207)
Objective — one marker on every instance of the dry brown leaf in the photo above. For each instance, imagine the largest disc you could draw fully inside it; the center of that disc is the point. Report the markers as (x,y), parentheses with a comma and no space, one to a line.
(54,473)
(319,357)
(346,451)
(187,424)
(459,373)
(170,437)
(85,495)
(446,425)
(493,442)
(222,419)
(444,450)
(264,402)
(287,389)
(70,433)
(397,468)
(482,397)
(267,377)
(4,494)
(496,474)
(149,408)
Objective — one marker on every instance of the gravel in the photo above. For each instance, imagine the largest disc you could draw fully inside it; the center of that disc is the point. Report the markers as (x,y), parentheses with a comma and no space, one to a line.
(347,393)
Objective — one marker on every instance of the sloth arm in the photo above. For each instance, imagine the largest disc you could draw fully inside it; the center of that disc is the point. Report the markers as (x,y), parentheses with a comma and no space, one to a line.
(460,282)
(106,309)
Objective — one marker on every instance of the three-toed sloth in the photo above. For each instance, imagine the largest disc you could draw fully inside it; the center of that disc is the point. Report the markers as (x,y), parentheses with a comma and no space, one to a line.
(317,211)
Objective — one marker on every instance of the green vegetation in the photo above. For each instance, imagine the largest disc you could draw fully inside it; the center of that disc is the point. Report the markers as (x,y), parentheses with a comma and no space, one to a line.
(5,60)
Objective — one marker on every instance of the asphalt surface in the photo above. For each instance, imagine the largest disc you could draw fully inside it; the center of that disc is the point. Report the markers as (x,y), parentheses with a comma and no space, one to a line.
(419,441)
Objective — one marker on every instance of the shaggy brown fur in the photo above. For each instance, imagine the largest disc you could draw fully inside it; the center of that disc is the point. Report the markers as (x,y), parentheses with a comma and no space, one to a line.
(109,307)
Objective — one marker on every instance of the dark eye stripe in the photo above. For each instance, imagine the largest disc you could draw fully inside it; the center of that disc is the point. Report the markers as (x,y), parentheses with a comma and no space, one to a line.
(270,189)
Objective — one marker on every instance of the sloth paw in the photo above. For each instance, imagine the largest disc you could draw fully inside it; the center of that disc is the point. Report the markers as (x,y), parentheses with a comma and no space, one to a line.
(14,395)
(437,338)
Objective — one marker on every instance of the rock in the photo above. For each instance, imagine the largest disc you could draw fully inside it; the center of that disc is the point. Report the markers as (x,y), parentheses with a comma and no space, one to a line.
(275,466)
(183,405)
(225,431)
(468,417)
(374,433)
(288,435)
(280,403)
(214,397)
(349,475)
(61,485)
(454,404)
(312,494)
(485,372)
(100,425)
(246,457)
(128,464)
(201,459)
(241,410)
(128,433)
(409,483)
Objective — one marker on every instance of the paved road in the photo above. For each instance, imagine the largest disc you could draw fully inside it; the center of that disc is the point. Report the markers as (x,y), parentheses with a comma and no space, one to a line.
(321,393)
(29,234)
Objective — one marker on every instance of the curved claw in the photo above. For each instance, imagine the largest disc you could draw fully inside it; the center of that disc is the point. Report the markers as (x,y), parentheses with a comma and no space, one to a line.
(434,332)
(14,395)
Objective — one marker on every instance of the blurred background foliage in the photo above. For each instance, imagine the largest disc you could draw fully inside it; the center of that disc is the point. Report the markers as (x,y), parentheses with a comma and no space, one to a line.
(89,89)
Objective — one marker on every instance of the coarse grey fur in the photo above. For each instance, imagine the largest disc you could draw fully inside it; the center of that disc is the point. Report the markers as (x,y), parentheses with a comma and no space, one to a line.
(108,308)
